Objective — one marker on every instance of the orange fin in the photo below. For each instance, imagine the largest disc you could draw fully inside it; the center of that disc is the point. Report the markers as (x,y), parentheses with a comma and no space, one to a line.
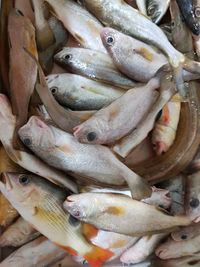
(89,231)
(71,251)
(165,115)
(98,256)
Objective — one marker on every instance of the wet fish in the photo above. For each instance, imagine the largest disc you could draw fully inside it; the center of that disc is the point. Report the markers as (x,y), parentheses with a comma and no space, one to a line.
(142,249)
(25,159)
(172,249)
(164,132)
(80,93)
(17,234)
(186,233)
(63,151)
(94,65)
(7,213)
(156,9)
(40,203)
(117,213)
(192,197)
(120,117)
(187,10)
(82,25)
(39,252)
(21,35)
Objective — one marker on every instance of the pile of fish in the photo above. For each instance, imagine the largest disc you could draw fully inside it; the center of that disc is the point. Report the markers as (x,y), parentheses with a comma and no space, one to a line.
(99,133)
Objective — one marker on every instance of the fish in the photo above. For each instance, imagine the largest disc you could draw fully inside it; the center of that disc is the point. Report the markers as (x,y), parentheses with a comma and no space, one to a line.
(80,93)
(140,251)
(121,16)
(94,65)
(25,159)
(21,35)
(180,262)
(40,252)
(7,213)
(156,9)
(82,25)
(141,4)
(186,233)
(44,34)
(17,234)
(187,10)
(164,132)
(167,89)
(192,197)
(172,249)
(96,163)
(118,119)
(40,203)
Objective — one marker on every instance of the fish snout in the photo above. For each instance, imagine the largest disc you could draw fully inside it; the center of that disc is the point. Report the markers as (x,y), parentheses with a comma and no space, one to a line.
(161,253)
(71,206)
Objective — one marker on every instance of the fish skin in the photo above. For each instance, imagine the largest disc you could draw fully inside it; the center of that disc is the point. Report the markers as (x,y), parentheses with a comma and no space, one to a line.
(82,25)
(186,233)
(17,234)
(21,35)
(63,151)
(141,4)
(25,159)
(39,252)
(118,119)
(7,213)
(115,213)
(156,9)
(40,203)
(80,93)
(94,65)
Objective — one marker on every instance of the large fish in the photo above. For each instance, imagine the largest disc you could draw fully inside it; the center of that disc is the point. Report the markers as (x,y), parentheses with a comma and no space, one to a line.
(81,93)
(121,214)
(25,159)
(63,151)
(94,65)
(84,27)
(40,203)
(17,234)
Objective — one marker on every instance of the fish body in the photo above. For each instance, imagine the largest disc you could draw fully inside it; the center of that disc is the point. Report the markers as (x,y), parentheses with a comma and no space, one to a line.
(17,234)
(63,151)
(117,213)
(94,65)
(141,4)
(120,117)
(81,93)
(40,203)
(186,233)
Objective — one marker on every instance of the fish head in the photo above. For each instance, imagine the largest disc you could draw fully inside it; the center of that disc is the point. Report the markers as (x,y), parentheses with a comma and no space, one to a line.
(110,38)
(37,135)
(167,250)
(68,57)
(55,85)
(153,11)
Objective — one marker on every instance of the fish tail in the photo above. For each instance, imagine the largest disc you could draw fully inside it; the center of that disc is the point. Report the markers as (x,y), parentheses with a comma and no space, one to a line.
(183,220)
(98,256)
(191,66)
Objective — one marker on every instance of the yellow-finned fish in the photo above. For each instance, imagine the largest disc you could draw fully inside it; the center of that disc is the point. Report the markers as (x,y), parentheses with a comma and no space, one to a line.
(40,203)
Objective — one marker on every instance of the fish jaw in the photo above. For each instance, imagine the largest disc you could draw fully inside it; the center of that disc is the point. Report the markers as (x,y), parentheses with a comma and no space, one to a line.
(160,147)
(72,206)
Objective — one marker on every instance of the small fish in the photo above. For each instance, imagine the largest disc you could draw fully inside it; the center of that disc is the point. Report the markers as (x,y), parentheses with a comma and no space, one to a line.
(156,9)
(121,214)
(96,162)
(17,234)
(40,252)
(94,65)
(7,213)
(80,93)
(164,132)
(140,251)
(118,119)
(186,233)
(40,203)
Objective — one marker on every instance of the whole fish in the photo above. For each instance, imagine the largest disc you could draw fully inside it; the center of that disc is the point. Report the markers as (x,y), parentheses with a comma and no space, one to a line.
(7,213)
(192,197)
(80,93)
(40,203)
(63,151)
(181,262)
(40,252)
(186,233)
(121,214)
(172,249)
(25,159)
(140,251)
(164,132)
(156,9)
(119,15)
(94,65)
(82,25)
(17,234)
(187,10)
(21,36)
(119,118)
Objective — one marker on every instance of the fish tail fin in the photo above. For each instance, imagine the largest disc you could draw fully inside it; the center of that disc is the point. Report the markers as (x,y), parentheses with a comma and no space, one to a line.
(98,256)
(183,220)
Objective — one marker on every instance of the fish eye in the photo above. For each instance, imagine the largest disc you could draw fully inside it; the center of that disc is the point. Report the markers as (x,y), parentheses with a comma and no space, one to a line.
(194,203)
(68,56)
(27,141)
(54,90)
(24,179)
(197,12)
(91,136)
(184,237)
(110,40)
